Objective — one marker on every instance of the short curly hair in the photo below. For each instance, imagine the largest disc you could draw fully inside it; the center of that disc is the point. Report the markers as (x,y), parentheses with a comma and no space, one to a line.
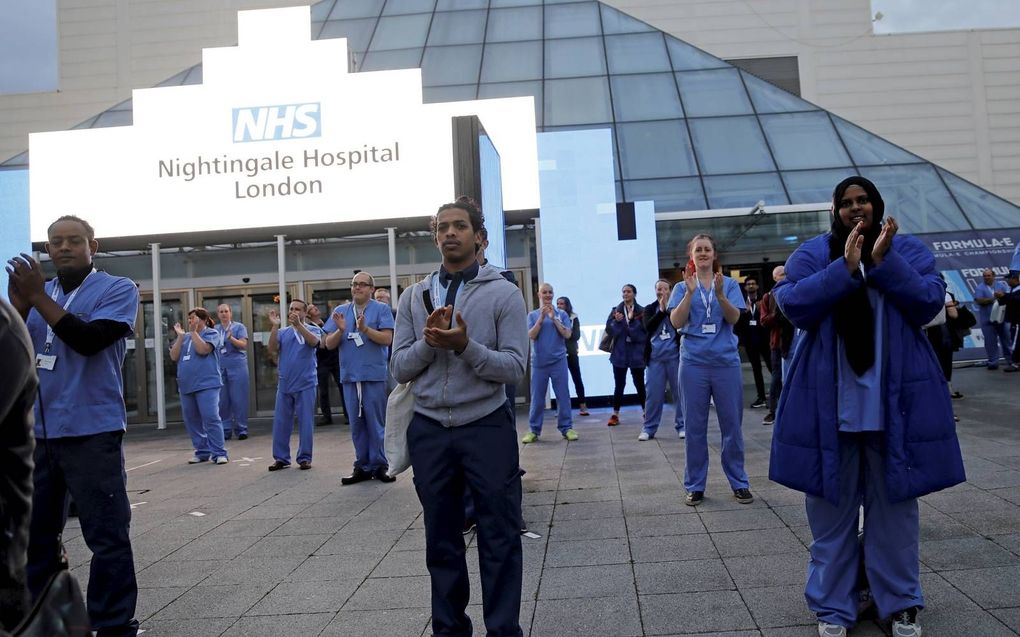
(468,205)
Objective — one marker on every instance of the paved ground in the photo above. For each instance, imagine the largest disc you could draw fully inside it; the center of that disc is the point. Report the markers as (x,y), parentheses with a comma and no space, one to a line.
(235,550)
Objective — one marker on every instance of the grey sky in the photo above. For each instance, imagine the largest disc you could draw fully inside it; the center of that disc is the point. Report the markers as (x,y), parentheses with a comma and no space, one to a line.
(28,46)
(906,16)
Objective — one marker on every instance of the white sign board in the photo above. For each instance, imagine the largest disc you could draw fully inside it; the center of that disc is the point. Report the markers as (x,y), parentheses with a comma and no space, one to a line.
(278,133)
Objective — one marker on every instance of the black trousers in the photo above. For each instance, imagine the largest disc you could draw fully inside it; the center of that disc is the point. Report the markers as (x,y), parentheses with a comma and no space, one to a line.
(574,365)
(482,457)
(325,375)
(91,470)
(637,374)
(756,353)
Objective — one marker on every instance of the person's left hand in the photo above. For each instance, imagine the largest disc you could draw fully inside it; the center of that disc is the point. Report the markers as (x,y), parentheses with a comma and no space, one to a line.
(719,284)
(455,339)
(360,323)
(884,240)
(26,275)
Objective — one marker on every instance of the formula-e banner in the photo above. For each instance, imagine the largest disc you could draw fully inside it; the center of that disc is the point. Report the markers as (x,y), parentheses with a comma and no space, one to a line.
(961,256)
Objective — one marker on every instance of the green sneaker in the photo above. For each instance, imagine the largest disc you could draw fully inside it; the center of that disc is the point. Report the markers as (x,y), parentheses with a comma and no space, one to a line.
(570,435)
(529,437)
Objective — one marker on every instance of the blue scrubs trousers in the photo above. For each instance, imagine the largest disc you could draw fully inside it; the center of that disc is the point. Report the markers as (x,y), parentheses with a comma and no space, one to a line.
(996,335)
(291,405)
(234,398)
(368,420)
(91,470)
(540,377)
(201,411)
(657,376)
(891,538)
(482,457)
(726,385)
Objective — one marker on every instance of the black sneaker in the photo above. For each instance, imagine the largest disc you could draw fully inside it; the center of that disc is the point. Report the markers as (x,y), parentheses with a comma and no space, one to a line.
(759,404)
(769,419)
(242,436)
(694,498)
(743,496)
(1012,367)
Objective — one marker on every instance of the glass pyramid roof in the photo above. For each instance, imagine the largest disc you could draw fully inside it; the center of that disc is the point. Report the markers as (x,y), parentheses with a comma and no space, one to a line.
(690,131)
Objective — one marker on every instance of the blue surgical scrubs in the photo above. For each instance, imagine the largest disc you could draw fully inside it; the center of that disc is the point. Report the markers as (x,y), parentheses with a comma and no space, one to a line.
(549,362)
(234,370)
(710,371)
(993,334)
(198,378)
(295,394)
(363,374)
(891,529)
(663,370)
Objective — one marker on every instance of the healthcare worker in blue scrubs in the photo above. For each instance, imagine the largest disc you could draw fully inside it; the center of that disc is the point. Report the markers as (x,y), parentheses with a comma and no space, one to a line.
(865,417)
(78,323)
(295,394)
(234,370)
(705,307)
(549,328)
(196,353)
(662,354)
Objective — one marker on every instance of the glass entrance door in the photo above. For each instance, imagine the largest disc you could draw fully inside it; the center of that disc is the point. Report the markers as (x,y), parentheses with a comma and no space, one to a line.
(265,375)
(171,311)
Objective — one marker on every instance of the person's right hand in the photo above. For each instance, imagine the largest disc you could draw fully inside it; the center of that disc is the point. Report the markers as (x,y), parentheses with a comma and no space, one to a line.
(439,318)
(178,329)
(852,250)
(690,281)
(339,320)
(619,316)
(274,317)
(19,302)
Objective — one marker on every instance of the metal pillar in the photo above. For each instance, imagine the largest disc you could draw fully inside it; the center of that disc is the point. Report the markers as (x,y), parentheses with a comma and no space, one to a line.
(157,339)
(391,236)
(281,266)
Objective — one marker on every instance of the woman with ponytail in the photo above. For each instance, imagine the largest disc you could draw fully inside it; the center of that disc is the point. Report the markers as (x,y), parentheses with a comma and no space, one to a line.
(865,417)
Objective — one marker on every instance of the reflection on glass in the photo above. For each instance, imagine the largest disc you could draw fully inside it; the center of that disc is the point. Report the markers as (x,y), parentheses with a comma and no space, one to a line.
(457,27)
(804,140)
(730,145)
(171,311)
(571,20)
(637,53)
(740,191)
(646,96)
(266,374)
(669,195)
(672,155)
(713,93)
(576,57)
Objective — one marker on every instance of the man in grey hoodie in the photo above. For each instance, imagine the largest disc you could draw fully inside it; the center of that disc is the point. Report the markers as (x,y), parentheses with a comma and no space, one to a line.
(461,335)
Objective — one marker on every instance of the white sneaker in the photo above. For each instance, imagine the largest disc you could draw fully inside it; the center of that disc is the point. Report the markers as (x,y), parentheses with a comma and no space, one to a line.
(904,624)
(195,459)
(222,460)
(831,630)
(643,436)
(681,434)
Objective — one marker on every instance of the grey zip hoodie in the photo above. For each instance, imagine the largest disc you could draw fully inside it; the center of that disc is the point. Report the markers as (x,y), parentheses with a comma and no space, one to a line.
(459,389)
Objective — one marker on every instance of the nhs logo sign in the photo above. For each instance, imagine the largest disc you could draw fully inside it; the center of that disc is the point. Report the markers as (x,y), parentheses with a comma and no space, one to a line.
(286,121)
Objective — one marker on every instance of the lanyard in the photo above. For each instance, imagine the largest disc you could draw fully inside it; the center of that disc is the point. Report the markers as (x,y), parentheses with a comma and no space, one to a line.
(628,313)
(705,300)
(50,335)
(188,352)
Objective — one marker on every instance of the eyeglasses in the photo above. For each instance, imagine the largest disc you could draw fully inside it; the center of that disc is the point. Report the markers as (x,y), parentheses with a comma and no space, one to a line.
(361,284)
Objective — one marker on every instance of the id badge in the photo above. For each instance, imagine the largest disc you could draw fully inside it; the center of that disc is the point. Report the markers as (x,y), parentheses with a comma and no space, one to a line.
(186,357)
(223,350)
(664,336)
(45,361)
(708,328)
(358,341)
(753,323)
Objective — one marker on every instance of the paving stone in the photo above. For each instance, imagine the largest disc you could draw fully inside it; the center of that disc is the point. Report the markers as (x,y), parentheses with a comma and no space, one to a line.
(305,597)
(670,524)
(961,553)
(401,564)
(321,568)
(671,548)
(246,569)
(989,587)
(399,622)
(656,505)
(287,546)
(186,627)
(711,611)
(215,601)
(290,624)
(604,616)
(392,592)
(1009,616)
(573,582)
(768,570)
(212,548)
(587,511)
(745,519)
(761,542)
(610,551)
(588,529)
(774,606)
(593,494)
(177,573)
(678,577)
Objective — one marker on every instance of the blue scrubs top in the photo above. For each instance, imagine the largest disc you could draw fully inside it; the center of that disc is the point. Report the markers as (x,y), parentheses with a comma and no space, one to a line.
(664,346)
(367,362)
(196,371)
(84,395)
(297,359)
(984,291)
(550,347)
(230,353)
(713,347)
(859,398)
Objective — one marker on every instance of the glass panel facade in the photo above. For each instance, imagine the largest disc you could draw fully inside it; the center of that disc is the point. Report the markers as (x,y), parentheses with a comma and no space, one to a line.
(739,191)
(518,23)
(515,89)
(668,194)
(717,92)
(457,27)
(614,21)
(451,5)
(320,10)
(444,65)
(577,101)
(868,149)
(458,93)
(690,58)
(572,20)
(399,7)
(637,53)
(814,186)
(395,59)
(730,145)
(917,198)
(768,98)
(982,208)
(576,57)
(357,32)
(641,97)
(674,157)
(401,32)
(356,9)
(804,140)
(512,61)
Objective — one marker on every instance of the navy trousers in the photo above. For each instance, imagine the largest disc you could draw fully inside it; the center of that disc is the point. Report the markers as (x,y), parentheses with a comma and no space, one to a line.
(481,456)
(91,469)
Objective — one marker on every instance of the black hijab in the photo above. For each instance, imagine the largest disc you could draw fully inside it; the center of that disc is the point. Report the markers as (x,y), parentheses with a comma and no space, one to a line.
(855,321)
